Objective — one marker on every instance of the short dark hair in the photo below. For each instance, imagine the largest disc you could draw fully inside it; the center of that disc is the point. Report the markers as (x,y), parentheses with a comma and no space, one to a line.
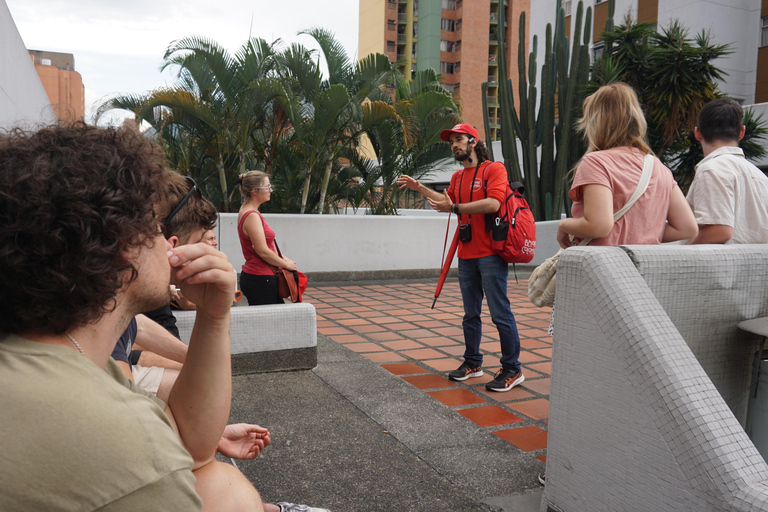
(196,213)
(73,200)
(721,120)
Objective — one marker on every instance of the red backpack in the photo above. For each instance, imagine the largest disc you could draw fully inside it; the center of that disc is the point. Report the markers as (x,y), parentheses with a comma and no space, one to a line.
(513,229)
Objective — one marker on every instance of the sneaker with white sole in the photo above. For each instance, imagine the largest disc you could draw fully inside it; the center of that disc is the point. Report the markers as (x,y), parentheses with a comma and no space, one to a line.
(293,507)
(504,380)
(465,371)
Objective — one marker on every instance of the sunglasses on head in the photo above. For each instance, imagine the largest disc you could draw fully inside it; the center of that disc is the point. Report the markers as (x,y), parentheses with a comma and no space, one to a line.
(194,189)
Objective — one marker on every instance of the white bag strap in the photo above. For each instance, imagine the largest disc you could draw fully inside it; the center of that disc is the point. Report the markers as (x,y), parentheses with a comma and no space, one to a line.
(642,186)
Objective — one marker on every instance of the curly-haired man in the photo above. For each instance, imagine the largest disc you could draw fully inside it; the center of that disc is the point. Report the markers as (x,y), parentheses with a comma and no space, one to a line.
(81,253)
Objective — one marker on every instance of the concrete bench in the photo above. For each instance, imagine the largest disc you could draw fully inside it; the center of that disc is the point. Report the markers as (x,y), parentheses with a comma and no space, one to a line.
(267,338)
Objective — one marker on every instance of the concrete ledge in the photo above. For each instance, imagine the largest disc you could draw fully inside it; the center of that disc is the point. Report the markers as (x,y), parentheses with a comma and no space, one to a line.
(267,338)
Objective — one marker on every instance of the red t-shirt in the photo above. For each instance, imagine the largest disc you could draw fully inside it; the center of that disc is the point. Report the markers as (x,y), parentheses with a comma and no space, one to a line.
(254,265)
(492,177)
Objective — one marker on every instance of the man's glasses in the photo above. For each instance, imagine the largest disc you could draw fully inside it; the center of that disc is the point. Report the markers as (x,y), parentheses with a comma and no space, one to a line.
(194,189)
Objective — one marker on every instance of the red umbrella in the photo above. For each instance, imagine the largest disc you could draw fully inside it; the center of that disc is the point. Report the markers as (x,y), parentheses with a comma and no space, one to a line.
(447,262)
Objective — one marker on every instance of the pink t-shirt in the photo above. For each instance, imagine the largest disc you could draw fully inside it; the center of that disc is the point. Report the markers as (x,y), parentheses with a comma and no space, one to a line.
(619,169)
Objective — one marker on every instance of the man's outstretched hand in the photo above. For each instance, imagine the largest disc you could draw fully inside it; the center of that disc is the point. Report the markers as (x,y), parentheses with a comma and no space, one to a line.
(243,441)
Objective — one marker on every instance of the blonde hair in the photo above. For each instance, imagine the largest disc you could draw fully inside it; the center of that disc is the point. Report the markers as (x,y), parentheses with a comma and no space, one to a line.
(249,181)
(613,118)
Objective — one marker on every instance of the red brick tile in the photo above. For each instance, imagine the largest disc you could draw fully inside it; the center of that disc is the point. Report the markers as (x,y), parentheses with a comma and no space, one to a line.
(430,381)
(339,316)
(353,321)
(449,331)
(404,368)
(402,326)
(423,353)
(438,341)
(527,439)
(383,320)
(443,365)
(367,328)
(530,357)
(546,352)
(414,333)
(542,458)
(536,409)
(384,357)
(429,324)
(454,350)
(384,336)
(455,397)
(545,368)
(330,331)
(326,323)
(530,343)
(347,338)
(540,386)
(490,416)
(402,345)
(365,347)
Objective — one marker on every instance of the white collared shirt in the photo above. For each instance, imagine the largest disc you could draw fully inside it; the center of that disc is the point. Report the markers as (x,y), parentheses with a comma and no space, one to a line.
(730,191)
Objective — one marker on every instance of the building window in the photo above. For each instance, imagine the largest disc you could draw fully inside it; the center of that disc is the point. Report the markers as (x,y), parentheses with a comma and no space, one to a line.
(567,7)
(447,67)
(448,87)
(449,4)
(597,49)
(391,24)
(448,46)
(392,4)
(764,31)
(449,25)
(391,46)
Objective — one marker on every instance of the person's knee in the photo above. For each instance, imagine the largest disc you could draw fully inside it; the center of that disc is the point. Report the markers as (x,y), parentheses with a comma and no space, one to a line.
(223,488)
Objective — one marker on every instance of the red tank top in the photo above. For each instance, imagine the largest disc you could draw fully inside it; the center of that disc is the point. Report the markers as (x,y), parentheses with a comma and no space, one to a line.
(254,265)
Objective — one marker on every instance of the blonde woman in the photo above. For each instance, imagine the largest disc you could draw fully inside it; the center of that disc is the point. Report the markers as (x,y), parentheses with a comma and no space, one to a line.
(607,176)
(257,279)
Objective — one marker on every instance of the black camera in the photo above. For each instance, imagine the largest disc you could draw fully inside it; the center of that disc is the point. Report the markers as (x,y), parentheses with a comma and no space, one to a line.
(465,232)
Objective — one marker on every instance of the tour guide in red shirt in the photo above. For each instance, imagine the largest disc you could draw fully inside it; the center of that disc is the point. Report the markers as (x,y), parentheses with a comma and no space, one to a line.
(481,271)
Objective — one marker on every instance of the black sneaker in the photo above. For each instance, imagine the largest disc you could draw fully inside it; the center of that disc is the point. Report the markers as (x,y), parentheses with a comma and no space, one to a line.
(465,371)
(504,380)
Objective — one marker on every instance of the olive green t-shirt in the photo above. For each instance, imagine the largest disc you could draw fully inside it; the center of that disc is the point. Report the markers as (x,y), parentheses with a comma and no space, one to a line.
(76,438)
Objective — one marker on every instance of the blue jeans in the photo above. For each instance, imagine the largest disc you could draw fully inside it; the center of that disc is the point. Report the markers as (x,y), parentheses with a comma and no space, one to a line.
(488,274)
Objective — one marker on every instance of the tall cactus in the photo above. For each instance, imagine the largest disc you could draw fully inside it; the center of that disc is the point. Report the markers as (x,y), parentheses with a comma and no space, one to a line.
(564,73)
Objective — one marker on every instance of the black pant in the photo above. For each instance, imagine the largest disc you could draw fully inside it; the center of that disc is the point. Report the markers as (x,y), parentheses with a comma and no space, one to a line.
(260,289)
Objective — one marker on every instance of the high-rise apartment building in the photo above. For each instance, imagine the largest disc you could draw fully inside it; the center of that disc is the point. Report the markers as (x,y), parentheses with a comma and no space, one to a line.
(62,83)
(742,23)
(457,38)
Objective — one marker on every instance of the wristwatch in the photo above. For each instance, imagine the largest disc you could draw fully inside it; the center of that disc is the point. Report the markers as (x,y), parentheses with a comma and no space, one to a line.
(456,208)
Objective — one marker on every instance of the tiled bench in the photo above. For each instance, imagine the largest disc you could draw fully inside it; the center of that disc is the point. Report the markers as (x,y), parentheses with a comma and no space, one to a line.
(267,338)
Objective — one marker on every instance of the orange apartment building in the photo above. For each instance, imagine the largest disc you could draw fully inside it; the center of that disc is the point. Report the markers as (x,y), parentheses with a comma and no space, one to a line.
(62,83)
(457,38)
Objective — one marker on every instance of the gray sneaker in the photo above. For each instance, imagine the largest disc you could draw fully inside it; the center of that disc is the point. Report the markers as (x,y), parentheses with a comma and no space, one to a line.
(293,507)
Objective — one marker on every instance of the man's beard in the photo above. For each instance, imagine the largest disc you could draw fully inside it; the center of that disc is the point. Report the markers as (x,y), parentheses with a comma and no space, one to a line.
(461,155)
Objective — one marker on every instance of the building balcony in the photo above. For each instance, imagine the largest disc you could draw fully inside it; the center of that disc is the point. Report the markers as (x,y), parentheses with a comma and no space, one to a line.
(493,100)
(402,17)
(400,38)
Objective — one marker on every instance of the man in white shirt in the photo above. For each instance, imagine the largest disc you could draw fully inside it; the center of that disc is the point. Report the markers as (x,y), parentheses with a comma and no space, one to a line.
(729,195)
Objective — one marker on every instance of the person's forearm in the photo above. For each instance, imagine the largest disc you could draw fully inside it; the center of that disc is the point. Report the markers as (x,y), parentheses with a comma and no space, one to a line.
(713,234)
(270,256)
(582,228)
(152,336)
(149,358)
(200,399)
(487,205)
(429,193)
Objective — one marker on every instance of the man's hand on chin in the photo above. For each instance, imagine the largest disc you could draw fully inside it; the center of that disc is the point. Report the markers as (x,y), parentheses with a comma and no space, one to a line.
(205,277)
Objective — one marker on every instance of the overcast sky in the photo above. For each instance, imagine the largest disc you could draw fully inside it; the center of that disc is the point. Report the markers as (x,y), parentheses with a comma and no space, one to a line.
(119,44)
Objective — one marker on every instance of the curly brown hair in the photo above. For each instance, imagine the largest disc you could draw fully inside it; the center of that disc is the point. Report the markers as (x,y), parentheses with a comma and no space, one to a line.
(73,200)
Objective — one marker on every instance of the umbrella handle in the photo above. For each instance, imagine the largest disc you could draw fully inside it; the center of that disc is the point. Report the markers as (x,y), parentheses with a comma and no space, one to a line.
(434,302)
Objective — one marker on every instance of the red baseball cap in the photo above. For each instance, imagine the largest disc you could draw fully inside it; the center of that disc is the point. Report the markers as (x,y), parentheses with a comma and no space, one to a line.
(464,128)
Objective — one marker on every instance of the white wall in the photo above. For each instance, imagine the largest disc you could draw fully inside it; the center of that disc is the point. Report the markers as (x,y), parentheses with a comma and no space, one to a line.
(342,243)
(23,101)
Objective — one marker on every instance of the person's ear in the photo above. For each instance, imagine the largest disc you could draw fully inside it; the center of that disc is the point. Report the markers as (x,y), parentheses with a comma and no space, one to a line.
(697,134)
(742,132)
(174,241)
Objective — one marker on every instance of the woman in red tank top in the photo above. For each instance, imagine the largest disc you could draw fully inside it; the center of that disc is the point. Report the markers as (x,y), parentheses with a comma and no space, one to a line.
(257,279)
